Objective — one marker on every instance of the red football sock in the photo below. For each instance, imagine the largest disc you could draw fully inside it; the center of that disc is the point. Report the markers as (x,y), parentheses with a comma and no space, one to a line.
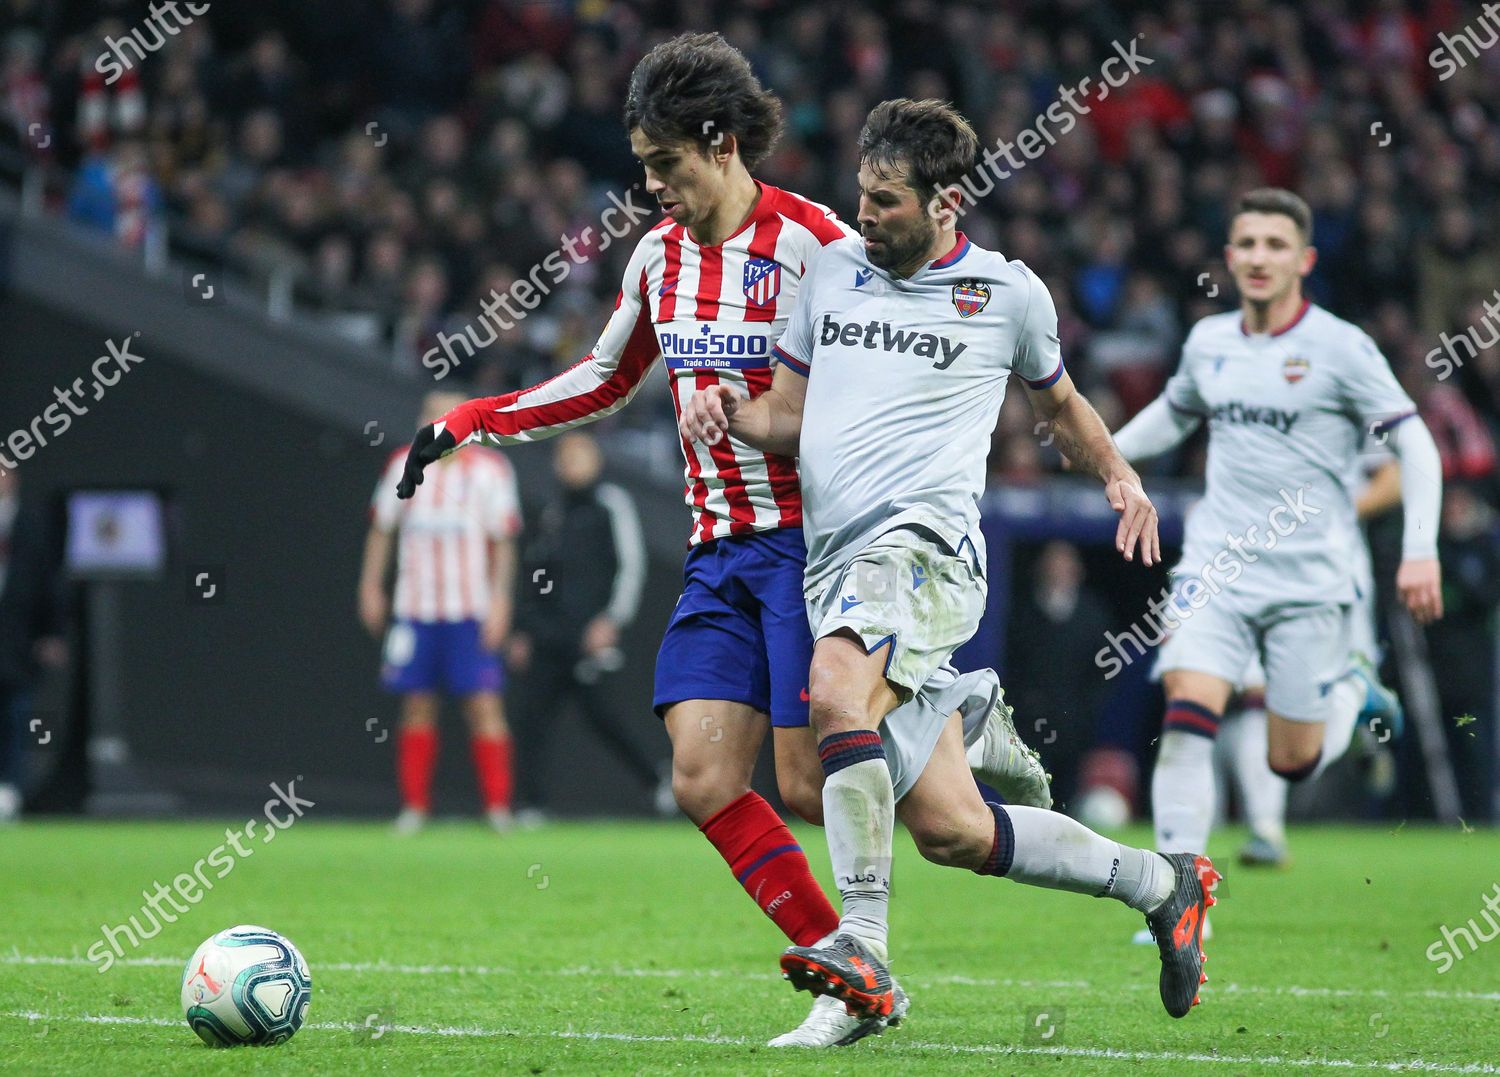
(492,762)
(772,868)
(416,758)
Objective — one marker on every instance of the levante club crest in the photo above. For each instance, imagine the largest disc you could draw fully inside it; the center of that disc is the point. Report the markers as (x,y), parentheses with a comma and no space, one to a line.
(1294,370)
(969,297)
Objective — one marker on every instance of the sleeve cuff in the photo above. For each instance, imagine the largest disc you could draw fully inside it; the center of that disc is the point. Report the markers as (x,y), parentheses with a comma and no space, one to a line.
(1042,383)
(790,362)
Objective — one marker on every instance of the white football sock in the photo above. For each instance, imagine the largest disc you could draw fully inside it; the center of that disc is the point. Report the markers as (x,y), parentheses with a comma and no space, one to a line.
(1183,792)
(1059,853)
(1262,791)
(859,814)
(1345,699)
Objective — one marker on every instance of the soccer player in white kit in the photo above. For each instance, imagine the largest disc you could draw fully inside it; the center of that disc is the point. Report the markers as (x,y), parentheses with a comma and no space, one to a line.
(1289,392)
(892,371)
(1242,733)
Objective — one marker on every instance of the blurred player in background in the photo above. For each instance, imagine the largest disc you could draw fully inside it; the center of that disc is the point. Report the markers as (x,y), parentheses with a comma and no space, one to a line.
(709,289)
(455,575)
(1290,393)
(31,627)
(1242,734)
(583,563)
(893,369)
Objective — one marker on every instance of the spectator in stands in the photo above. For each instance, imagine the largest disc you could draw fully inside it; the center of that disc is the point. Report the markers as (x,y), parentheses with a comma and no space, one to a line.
(583,567)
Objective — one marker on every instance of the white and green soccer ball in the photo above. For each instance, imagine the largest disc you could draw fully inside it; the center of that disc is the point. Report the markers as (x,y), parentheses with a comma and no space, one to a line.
(246,985)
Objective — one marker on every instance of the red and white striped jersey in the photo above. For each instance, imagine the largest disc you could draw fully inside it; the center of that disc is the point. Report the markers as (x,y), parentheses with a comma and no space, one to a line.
(713,314)
(443,567)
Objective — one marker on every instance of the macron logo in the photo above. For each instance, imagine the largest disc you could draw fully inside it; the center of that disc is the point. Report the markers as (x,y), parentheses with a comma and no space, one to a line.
(887,338)
(862,277)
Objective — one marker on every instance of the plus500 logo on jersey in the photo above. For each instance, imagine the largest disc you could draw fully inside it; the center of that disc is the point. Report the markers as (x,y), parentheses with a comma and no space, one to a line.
(706,348)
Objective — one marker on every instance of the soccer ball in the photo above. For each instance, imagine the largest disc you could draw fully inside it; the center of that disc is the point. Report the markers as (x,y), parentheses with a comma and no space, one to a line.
(246,985)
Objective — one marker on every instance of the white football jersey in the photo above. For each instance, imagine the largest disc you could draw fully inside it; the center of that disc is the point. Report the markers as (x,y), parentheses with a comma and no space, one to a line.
(905,381)
(1288,413)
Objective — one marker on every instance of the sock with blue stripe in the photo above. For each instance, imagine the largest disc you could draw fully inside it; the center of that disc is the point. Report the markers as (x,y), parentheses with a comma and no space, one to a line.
(1184,792)
(1048,849)
(859,815)
(773,869)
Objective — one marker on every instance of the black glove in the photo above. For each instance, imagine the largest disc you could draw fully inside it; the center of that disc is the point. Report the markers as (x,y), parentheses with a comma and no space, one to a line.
(426,448)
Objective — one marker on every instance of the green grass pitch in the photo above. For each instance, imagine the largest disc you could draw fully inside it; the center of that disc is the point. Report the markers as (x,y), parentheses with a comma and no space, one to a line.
(627,948)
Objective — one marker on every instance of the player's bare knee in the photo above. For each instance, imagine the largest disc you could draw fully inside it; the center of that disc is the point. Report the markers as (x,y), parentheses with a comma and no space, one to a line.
(703,789)
(1292,762)
(834,707)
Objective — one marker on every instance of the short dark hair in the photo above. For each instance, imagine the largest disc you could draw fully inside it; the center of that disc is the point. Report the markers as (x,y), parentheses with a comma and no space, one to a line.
(931,138)
(698,87)
(1277,200)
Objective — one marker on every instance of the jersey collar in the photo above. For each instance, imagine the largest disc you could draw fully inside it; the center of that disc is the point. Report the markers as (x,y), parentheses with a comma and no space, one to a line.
(960,248)
(1287,328)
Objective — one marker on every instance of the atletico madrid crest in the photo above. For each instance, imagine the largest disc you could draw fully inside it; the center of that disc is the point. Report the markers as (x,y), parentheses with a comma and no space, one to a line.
(969,297)
(1294,370)
(762,281)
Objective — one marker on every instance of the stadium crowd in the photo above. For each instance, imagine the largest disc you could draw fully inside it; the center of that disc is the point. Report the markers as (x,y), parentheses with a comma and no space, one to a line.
(436,151)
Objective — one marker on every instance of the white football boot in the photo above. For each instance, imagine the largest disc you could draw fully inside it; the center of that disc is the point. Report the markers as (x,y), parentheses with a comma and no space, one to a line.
(828,1024)
(1002,760)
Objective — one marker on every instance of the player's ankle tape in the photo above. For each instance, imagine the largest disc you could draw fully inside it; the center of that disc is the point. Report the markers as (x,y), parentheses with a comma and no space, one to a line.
(841,750)
(1299,774)
(1188,717)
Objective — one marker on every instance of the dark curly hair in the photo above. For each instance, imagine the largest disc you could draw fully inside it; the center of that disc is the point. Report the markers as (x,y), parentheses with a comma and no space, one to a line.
(697,88)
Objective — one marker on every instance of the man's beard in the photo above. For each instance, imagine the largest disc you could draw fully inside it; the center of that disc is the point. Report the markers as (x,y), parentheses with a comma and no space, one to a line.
(904,252)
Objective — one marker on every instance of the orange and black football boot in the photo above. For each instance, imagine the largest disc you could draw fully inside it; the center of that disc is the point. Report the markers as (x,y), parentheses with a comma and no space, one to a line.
(847,970)
(1177,928)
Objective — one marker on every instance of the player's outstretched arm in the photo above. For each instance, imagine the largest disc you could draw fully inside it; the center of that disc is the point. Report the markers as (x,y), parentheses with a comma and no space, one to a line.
(1085,440)
(1419,579)
(772,422)
(599,384)
(1156,429)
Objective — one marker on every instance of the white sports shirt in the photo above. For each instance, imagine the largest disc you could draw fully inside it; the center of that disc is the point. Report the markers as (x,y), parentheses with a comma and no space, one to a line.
(905,381)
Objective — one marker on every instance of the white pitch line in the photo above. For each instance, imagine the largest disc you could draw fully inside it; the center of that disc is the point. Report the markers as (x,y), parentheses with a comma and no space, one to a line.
(358,967)
(885,1046)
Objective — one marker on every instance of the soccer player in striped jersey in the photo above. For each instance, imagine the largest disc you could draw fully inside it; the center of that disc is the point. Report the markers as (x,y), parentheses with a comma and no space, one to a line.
(455,571)
(1289,392)
(708,290)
